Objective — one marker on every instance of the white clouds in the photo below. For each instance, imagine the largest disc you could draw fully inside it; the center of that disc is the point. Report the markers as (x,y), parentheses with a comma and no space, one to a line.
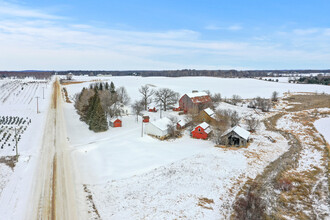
(213,27)
(306,31)
(30,39)
(7,9)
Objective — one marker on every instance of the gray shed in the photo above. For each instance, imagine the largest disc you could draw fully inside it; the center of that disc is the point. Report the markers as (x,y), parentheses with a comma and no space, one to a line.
(236,136)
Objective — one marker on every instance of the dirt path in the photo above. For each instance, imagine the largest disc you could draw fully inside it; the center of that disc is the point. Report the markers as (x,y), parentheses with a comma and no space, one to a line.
(54,195)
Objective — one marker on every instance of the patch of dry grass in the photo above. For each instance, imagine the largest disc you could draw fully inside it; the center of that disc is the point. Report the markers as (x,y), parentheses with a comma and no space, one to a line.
(205,203)
(10,161)
(308,101)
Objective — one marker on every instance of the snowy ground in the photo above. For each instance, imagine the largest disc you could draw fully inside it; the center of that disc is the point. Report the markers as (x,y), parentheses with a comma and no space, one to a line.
(17,99)
(246,88)
(127,173)
(323,126)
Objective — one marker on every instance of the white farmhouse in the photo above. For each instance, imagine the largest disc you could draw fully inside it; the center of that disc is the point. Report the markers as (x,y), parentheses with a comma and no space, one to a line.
(158,128)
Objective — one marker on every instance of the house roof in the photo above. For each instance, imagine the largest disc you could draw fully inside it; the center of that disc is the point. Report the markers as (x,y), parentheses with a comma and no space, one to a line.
(196,94)
(199,97)
(182,123)
(208,130)
(210,112)
(239,131)
(162,123)
(114,119)
(203,125)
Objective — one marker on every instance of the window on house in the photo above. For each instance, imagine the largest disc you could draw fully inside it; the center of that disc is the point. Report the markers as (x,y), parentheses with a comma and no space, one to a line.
(199,129)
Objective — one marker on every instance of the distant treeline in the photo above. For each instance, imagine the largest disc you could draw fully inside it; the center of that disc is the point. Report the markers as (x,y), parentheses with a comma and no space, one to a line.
(323,80)
(23,74)
(168,73)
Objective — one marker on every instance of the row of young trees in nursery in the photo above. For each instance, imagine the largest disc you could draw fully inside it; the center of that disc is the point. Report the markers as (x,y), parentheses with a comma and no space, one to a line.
(99,102)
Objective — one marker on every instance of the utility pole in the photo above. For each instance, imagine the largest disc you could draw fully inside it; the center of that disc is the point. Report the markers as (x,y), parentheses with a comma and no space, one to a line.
(37,104)
(43,92)
(142,129)
(16,144)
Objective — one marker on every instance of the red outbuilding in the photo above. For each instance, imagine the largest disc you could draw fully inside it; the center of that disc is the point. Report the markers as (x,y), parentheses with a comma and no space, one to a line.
(116,122)
(152,109)
(146,118)
(201,131)
(194,101)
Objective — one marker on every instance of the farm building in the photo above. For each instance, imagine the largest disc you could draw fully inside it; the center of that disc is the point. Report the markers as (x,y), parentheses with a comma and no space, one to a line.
(201,131)
(69,76)
(146,118)
(158,128)
(115,122)
(153,109)
(181,124)
(176,108)
(236,136)
(194,101)
(207,115)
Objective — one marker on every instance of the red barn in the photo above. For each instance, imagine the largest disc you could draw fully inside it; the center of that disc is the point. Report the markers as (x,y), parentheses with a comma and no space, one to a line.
(116,122)
(146,118)
(194,101)
(201,131)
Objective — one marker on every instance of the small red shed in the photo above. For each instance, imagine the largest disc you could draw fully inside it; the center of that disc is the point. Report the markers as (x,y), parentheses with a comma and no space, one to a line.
(146,118)
(152,109)
(116,122)
(201,131)
(177,109)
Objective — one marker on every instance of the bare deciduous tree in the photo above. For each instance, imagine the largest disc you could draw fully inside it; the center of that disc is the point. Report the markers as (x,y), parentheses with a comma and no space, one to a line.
(171,127)
(122,95)
(216,98)
(252,123)
(137,107)
(235,99)
(234,118)
(146,93)
(166,97)
(274,96)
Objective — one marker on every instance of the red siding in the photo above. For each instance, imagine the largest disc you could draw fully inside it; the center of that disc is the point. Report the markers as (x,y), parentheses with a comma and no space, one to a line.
(199,134)
(117,123)
(146,119)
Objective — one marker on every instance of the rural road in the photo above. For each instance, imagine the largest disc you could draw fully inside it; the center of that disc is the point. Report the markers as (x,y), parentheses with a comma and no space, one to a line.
(54,193)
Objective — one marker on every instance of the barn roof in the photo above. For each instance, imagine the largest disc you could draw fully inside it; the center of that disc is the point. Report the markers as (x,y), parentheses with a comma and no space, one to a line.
(196,94)
(239,131)
(182,123)
(114,119)
(162,123)
(199,97)
(205,126)
(210,112)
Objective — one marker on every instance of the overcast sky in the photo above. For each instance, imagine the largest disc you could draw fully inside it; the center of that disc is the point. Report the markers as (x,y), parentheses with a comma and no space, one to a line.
(164,34)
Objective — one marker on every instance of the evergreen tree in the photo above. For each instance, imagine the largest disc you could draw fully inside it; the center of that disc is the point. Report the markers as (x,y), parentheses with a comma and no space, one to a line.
(106,86)
(95,116)
(98,121)
(101,86)
(112,88)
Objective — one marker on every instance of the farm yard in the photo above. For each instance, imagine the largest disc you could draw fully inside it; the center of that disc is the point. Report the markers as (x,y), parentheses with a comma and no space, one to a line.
(124,170)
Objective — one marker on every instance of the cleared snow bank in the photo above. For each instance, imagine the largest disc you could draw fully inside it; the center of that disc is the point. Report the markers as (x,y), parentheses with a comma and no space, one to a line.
(323,126)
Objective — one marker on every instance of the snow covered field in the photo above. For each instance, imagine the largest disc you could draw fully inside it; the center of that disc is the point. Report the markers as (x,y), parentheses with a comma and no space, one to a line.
(246,88)
(323,126)
(17,99)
